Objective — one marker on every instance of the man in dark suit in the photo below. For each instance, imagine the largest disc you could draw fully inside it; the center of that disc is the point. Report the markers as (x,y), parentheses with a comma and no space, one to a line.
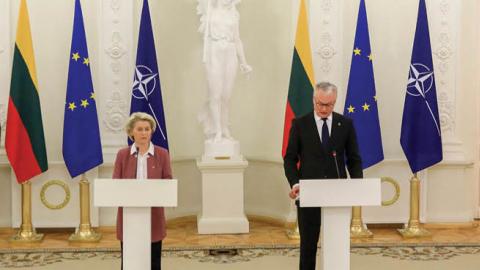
(315,140)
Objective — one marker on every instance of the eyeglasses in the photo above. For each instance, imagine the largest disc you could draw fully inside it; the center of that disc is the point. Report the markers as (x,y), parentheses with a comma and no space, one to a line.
(327,105)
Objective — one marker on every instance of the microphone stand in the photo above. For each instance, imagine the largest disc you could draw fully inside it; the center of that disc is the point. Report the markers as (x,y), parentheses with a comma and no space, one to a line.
(136,167)
(334,154)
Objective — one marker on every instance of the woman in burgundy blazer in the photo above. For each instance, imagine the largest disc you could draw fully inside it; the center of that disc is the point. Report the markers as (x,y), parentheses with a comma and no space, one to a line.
(140,128)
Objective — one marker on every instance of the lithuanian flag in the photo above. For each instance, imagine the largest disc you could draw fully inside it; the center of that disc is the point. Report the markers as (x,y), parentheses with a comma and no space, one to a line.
(302,80)
(24,139)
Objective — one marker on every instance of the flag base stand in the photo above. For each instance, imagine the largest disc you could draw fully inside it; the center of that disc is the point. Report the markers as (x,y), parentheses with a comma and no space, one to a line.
(357,232)
(414,230)
(26,233)
(85,233)
(357,228)
(293,233)
(26,236)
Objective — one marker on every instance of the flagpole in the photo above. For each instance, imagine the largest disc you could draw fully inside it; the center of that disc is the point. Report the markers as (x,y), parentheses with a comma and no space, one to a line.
(85,232)
(26,233)
(413,229)
(357,228)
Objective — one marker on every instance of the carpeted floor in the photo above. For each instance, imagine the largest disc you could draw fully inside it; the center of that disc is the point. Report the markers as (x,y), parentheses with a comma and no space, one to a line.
(371,258)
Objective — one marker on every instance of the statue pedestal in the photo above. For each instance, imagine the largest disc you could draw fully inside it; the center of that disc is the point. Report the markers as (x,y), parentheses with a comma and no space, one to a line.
(224,149)
(222,194)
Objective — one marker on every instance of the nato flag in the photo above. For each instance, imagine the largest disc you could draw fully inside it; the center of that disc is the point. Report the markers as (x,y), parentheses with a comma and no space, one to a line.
(82,149)
(361,101)
(146,92)
(421,134)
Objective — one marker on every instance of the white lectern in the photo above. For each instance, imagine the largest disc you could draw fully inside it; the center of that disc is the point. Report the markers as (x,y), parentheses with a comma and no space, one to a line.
(136,197)
(336,197)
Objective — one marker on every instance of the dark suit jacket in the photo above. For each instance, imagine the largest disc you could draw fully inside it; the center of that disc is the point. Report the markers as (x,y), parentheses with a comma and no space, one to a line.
(305,146)
(158,167)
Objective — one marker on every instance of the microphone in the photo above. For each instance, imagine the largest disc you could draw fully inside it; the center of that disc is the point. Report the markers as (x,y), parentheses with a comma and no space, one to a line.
(334,155)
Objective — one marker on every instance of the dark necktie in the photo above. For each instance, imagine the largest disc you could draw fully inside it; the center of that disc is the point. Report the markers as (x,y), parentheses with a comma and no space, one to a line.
(325,134)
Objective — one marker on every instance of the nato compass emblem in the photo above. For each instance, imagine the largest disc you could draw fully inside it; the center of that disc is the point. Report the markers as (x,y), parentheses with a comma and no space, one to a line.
(420,82)
(144,82)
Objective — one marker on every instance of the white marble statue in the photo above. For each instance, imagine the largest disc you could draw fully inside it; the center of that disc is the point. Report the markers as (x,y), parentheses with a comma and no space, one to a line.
(223,51)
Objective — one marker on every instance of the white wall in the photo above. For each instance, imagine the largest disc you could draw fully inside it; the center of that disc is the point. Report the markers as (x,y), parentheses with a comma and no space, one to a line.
(450,191)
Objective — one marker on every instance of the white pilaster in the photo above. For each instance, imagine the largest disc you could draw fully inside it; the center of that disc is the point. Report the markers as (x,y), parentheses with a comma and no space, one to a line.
(5,68)
(444,22)
(116,28)
(325,22)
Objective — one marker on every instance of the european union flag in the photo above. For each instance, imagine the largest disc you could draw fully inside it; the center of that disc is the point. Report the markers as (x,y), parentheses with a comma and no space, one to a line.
(421,138)
(361,101)
(146,92)
(82,149)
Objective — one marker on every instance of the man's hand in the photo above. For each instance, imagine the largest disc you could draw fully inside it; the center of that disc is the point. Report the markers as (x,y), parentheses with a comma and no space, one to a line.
(294,192)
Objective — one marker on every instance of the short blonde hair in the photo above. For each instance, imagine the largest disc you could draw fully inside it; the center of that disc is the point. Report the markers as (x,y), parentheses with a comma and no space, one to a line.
(139,116)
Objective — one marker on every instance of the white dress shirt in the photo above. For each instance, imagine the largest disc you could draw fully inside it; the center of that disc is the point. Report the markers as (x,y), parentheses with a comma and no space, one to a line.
(319,122)
(142,160)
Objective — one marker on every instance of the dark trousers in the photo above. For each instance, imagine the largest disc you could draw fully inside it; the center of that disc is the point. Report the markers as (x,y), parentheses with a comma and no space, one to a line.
(156,254)
(309,221)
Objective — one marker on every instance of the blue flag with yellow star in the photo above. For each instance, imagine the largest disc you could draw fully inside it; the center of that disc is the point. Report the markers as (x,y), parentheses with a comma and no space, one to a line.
(146,90)
(421,137)
(82,149)
(361,101)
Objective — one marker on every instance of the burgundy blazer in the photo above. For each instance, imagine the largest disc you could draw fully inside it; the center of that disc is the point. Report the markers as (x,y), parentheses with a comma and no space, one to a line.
(158,167)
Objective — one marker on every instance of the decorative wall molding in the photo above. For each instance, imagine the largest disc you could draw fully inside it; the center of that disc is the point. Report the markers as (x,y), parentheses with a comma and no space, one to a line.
(325,49)
(444,40)
(116,21)
(326,52)
(325,27)
(445,22)
(116,51)
(116,109)
(326,22)
(115,5)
